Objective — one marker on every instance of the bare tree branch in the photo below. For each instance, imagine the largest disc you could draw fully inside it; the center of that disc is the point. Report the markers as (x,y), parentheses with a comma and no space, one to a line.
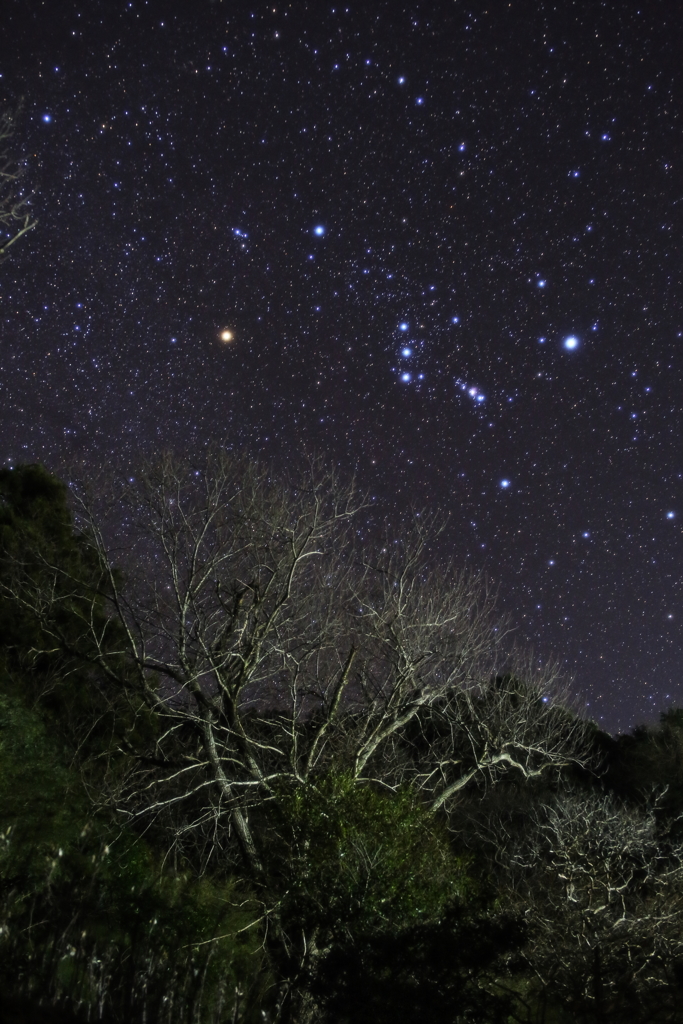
(16,218)
(273,652)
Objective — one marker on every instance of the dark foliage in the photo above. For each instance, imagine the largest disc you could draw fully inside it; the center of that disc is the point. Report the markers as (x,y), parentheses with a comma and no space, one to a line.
(91,921)
(435,972)
(649,762)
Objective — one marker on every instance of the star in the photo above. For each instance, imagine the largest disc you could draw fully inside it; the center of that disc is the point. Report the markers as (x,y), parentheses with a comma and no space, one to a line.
(421,219)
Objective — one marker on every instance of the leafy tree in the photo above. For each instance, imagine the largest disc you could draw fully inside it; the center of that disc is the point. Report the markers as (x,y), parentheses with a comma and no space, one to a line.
(49,581)
(360,858)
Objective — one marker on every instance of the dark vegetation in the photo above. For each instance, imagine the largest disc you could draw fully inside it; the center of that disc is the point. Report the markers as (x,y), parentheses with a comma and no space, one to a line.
(254,767)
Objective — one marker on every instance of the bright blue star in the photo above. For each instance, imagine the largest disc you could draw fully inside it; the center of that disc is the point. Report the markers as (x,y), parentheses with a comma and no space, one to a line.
(401,80)
(406,352)
(670,515)
(504,484)
(47,118)
(540,283)
(571,342)
(405,377)
(455,320)
(403,326)
(319,229)
(419,101)
(462,147)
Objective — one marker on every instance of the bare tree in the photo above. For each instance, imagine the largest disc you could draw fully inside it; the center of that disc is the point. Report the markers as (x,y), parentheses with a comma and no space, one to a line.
(273,650)
(601,887)
(16,218)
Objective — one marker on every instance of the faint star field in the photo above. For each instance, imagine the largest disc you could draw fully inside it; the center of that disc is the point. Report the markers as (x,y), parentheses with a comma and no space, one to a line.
(440,243)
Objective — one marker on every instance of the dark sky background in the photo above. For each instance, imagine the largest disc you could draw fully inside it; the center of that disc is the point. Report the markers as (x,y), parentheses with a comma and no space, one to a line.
(402,213)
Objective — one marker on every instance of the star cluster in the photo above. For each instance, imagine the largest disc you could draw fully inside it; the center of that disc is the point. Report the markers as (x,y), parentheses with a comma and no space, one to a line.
(440,243)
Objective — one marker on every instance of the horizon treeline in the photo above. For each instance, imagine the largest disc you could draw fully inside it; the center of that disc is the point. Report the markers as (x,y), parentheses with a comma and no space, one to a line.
(257,767)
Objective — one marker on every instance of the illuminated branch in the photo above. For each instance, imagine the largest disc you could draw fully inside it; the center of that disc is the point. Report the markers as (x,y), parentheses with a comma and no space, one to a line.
(15,217)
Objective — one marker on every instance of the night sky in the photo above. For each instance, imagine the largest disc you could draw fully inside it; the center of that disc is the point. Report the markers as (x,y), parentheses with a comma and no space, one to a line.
(446,240)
